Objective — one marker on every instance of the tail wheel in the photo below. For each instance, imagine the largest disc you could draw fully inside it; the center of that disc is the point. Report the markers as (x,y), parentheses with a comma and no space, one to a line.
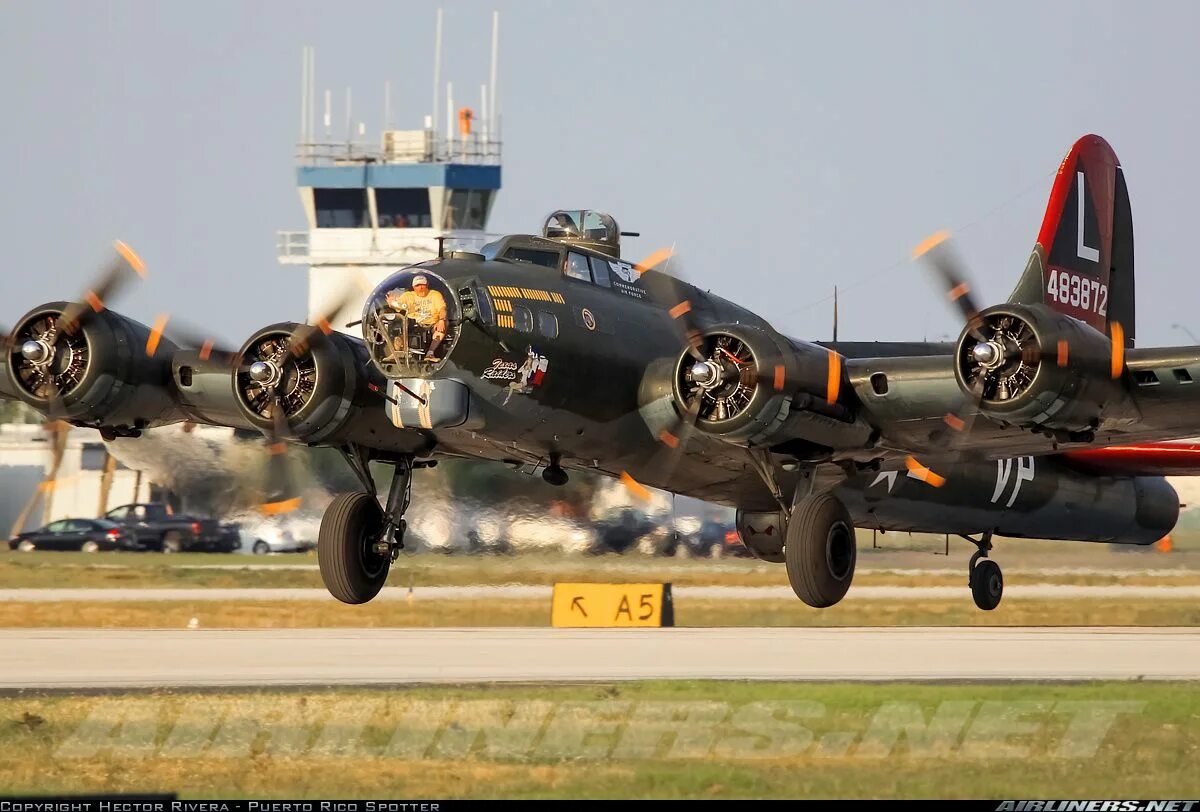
(821,550)
(987,584)
(351,569)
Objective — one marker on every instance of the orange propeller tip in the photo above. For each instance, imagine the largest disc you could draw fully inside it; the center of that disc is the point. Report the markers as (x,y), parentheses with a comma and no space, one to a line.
(1118,349)
(924,474)
(954,421)
(282,506)
(680,309)
(930,242)
(634,487)
(156,333)
(654,260)
(668,439)
(130,256)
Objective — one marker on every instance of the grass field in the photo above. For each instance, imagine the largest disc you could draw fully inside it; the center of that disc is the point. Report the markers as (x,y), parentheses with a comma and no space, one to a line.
(637,740)
(531,612)
(42,570)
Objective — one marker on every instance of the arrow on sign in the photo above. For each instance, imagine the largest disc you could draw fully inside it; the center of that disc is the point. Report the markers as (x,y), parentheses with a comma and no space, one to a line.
(578,604)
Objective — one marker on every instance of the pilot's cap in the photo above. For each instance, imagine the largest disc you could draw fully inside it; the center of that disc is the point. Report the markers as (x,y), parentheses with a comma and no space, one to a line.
(420,279)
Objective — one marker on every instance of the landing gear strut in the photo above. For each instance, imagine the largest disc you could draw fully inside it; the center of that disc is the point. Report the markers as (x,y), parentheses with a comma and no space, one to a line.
(360,538)
(985,579)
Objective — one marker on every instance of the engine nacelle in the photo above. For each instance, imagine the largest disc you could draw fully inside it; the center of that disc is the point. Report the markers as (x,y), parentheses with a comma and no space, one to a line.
(755,386)
(1033,367)
(323,383)
(108,371)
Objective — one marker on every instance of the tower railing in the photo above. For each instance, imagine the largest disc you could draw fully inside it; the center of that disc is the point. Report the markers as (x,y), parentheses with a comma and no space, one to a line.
(295,247)
(401,147)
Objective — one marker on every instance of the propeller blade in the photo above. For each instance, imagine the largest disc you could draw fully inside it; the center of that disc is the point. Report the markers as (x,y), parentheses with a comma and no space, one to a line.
(938,253)
(635,488)
(187,335)
(126,266)
(919,471)
(322,320)
(1117,363)
(282,495)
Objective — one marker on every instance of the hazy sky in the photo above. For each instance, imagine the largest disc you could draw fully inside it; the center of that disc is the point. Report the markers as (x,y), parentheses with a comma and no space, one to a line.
(783,147)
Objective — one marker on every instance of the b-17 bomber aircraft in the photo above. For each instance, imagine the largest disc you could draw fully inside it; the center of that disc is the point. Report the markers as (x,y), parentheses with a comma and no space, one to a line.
(1041,421)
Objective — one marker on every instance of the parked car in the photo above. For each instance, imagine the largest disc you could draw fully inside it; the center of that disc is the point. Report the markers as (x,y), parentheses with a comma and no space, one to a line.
(157,527)
(277,536)
(85,535)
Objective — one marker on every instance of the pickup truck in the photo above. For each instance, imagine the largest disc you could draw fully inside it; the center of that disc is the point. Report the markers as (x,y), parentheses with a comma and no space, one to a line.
(157,527)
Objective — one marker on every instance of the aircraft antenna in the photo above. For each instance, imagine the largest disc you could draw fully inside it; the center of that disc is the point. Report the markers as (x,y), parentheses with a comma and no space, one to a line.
(835,313)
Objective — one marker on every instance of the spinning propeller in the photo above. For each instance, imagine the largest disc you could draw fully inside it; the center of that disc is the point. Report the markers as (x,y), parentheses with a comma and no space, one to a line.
(1003,361)
(724,372)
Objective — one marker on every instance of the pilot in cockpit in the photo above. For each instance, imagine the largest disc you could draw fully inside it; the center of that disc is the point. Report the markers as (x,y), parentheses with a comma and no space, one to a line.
(423,313)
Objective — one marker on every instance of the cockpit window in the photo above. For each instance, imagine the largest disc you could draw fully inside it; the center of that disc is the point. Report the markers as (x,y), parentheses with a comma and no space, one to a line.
(563,224)
(576,267)
(547,259)
(599,226)
(600,269)
(411,322)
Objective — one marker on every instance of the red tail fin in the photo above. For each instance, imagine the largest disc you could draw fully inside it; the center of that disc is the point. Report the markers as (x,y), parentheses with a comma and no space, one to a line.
(1082,264)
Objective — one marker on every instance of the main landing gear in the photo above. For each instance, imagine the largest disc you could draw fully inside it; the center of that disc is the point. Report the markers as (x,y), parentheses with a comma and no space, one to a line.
(360,538)
(821,550)
(984,576)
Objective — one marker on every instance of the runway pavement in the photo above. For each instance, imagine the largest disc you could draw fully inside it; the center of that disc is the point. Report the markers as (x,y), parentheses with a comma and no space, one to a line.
(97,658)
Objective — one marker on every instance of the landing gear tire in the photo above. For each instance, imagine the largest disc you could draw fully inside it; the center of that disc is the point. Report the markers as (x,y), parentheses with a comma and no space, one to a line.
(172,543)
(821,550)
(987,584)
(352,570)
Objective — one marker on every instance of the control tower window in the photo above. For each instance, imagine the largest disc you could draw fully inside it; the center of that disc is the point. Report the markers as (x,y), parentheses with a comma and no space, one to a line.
(403,208)
(466,208)
(341,208)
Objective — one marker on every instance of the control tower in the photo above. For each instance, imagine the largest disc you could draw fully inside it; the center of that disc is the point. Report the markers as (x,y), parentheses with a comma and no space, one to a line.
(375,205)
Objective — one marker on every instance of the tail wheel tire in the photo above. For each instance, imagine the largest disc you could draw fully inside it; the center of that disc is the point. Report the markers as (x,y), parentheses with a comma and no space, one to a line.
(261,548)
(172,543)
(821,551)
(90,547)
(351,569)
(27,546)
(987,584)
